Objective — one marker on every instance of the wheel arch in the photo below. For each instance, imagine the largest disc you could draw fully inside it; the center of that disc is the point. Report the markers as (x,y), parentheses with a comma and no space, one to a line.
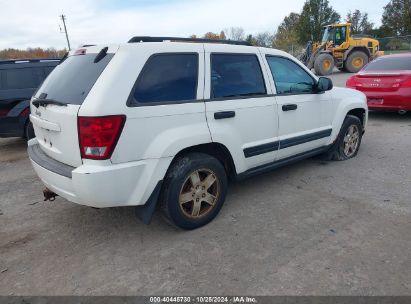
(356,48)
(359,113)
(215,149)
(20,110)
(325,52)
(355,109)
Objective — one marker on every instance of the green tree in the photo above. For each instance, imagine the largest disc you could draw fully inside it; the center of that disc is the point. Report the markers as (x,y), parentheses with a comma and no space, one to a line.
(287,35)
(314,16)
(359,22)
(222,35)
(251,40)
(366,26)
(396,18)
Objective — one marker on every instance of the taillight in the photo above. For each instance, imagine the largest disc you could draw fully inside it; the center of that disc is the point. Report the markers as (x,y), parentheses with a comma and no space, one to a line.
(25,112)
(352,82)
(406,83)
(3,112)
(98,136)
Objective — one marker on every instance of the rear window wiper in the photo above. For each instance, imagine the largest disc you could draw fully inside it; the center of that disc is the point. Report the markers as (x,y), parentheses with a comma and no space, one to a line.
(45,101)
(101,54)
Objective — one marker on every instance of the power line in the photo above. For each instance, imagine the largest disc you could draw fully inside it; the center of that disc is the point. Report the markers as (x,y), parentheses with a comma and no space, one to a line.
(63,18)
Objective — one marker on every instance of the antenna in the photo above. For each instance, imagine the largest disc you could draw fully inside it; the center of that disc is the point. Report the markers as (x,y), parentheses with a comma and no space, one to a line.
(63,18)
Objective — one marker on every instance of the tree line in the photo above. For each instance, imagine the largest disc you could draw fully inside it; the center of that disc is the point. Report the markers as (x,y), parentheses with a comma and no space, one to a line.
(297,29)
(31,53)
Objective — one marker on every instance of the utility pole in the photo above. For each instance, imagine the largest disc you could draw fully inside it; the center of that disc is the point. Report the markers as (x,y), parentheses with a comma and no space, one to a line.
(63,18)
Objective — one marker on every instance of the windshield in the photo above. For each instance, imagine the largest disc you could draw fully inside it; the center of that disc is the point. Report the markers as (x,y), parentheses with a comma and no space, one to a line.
(328,34)
(71,81)
(388,63)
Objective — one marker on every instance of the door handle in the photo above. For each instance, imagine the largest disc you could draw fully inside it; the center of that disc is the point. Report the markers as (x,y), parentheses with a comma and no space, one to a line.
(290,107)
(225,114)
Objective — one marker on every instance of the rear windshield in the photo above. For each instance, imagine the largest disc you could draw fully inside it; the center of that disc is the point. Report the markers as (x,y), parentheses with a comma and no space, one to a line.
(389,64)
(72,80)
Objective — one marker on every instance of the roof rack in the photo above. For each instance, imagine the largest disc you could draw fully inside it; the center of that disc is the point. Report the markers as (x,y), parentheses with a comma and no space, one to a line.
(8,61)
(198,40)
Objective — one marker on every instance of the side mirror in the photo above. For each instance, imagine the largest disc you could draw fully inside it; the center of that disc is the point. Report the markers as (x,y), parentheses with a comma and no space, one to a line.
(324,84)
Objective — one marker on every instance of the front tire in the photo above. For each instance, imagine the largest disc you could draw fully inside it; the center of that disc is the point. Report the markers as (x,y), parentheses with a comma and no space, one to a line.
(356,61)
(348,142)
(324,64)
(194,190)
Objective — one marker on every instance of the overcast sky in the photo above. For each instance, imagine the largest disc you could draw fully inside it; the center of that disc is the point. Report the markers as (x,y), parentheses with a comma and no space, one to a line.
(27,23)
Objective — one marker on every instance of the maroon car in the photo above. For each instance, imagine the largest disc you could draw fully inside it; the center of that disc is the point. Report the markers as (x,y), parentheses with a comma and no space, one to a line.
(387,83)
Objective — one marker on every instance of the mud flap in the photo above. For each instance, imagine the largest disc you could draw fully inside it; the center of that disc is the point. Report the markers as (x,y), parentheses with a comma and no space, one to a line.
(146,211)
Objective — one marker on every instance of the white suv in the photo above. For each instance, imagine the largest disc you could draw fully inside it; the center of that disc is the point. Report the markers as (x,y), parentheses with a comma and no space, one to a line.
(167,121)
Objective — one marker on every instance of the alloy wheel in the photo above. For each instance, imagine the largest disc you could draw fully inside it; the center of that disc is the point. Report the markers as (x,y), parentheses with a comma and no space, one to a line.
(351,140)
(199,193)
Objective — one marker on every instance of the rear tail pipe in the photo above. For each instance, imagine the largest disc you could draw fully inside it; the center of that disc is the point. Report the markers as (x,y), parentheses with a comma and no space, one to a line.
(402,112)
(49,195)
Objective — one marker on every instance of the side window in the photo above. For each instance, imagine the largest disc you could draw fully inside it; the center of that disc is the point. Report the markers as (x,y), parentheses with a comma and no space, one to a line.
(236,75)
(2,86)
(289,77)
(167,78)
(340,35)
(47,70)
(38,76)
(21,78)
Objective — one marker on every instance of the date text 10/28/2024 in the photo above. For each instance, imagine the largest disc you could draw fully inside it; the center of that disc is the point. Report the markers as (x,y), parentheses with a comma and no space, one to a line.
(203,299)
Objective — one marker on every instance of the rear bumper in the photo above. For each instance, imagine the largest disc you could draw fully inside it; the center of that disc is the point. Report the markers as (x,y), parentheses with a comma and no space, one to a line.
(397,100)
(112,185)
(382,107)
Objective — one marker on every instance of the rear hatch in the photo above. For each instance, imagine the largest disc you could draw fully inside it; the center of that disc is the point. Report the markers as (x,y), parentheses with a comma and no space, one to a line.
(55,105)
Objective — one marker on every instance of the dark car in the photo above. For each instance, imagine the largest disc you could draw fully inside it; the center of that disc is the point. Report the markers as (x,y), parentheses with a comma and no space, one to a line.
(18,81)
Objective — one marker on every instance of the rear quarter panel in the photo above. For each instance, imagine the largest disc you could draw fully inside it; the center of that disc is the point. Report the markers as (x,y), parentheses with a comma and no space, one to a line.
(150,131)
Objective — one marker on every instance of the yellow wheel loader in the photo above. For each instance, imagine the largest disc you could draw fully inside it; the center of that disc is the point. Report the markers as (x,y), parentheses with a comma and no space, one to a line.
(340,49)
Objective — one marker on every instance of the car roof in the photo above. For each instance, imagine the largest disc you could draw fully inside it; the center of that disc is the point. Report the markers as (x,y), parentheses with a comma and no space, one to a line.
(139,39)
(211,44)
(28,60)
(19,63)
(215,47)
(24,63)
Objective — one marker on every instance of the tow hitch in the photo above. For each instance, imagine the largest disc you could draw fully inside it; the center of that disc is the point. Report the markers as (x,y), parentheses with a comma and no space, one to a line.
(49,195)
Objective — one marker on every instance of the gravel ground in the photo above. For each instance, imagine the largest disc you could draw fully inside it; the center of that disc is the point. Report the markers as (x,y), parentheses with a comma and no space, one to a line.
(312,228)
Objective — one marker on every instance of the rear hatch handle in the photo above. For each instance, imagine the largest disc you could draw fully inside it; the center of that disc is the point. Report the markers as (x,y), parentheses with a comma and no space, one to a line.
(45,124)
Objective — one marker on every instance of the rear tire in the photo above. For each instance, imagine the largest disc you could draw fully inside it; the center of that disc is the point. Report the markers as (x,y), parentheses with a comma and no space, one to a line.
(194,190)
(324,64)
(28,130)
(356,61)
(348,142)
